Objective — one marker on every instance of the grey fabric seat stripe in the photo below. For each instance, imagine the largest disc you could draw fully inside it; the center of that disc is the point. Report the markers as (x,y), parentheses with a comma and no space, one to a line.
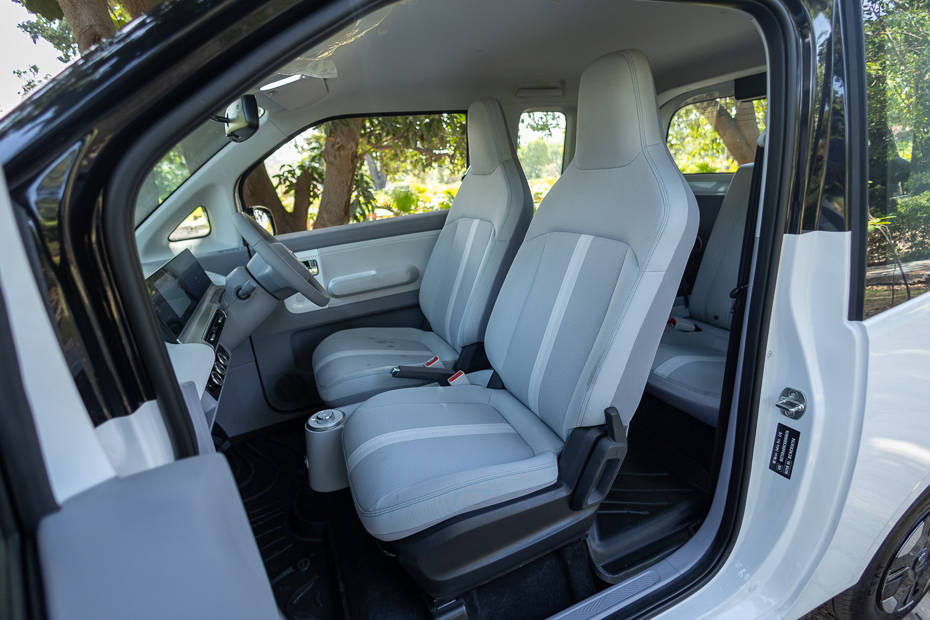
(431,432)
(459,335)
(457,282)
(569,280)
(366,353)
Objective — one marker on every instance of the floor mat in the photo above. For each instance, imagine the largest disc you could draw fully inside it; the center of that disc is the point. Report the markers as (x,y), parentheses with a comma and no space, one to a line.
(660,496)
(269,470)
(323,564)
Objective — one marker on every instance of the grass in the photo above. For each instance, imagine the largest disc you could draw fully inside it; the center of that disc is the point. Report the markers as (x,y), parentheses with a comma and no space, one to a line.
(878,298)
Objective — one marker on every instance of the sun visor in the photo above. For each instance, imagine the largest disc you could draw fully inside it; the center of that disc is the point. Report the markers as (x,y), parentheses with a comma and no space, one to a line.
(298,93)
(318,61)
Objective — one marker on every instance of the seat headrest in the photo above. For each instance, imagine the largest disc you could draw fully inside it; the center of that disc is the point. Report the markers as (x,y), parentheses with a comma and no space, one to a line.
(488,140)
(617,113)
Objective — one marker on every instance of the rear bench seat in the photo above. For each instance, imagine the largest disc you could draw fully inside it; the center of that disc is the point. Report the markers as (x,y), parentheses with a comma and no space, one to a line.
(688,369)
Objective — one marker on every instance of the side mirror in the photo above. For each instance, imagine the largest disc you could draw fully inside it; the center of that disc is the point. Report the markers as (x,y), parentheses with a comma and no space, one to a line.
(242,118)
(264,217)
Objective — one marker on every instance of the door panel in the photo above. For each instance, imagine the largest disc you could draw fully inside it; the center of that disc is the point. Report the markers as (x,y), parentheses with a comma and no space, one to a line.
(170,542)
(373,271)
(365,270)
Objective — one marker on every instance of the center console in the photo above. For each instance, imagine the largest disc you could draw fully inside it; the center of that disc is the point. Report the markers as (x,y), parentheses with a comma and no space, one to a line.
(192,309)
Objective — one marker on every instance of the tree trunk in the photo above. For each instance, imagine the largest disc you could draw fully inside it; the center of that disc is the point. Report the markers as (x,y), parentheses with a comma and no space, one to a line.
(340,152)
(739,134)
(259,191)
(89,21)
(135,8)
(378,178)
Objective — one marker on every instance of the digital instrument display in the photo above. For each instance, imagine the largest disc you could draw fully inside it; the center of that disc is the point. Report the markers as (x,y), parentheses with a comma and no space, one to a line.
(176,289)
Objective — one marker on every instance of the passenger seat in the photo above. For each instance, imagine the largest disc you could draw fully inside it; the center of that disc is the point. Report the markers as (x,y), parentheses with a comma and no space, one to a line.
(688,369)
(482,232)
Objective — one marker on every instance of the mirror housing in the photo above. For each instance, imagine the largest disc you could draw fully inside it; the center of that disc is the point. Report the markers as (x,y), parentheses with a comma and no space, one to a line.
(242,118)
(264,217)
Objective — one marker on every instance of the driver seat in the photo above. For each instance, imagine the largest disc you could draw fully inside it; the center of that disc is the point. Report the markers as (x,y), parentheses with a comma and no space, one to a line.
(482,232)
(451,473)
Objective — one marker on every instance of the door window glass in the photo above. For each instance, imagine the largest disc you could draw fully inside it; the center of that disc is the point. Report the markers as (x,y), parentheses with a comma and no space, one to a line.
(540,145)
(361,169)
(177,165)
(897,41)
(717,135)
(194,226)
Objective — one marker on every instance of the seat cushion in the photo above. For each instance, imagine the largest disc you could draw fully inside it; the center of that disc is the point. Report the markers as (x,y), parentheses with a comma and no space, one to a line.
(688,370)
(354,364)
(419,456)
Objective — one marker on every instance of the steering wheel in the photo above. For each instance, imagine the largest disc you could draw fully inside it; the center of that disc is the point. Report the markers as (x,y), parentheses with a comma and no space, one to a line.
(280,260)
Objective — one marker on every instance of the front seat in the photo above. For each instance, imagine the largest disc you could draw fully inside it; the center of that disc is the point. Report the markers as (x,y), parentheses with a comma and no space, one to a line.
(689,365)
(482,232)
(573,332)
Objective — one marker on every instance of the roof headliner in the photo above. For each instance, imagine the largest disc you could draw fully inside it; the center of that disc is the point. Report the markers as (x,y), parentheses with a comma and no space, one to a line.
(473,48)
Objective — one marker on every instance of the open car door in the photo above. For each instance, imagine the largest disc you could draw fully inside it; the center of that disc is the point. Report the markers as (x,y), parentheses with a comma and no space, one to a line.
(172,541)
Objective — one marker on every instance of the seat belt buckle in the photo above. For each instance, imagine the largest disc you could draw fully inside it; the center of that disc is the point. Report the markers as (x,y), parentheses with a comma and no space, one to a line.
(458,378)
(432,361)
(682,325)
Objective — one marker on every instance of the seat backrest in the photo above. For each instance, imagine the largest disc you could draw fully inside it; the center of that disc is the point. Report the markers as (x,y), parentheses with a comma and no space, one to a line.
(710,299)
(579,317)
(483,230)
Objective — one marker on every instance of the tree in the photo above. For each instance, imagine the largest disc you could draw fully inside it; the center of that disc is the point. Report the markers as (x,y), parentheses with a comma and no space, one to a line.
(73,26)
(738,130)
(329,169)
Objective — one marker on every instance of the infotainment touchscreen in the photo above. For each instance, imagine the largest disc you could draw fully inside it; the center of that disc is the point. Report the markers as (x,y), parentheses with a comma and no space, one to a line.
(176,289)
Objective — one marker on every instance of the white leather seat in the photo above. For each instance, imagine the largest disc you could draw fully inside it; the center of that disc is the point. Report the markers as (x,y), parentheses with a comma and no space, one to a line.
(481,234)
(688,369)
(574,329)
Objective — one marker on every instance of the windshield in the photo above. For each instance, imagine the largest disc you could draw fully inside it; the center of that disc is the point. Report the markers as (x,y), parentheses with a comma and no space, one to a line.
(177,165)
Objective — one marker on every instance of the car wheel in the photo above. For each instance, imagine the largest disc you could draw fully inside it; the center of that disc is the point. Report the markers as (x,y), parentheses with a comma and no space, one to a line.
(898,577)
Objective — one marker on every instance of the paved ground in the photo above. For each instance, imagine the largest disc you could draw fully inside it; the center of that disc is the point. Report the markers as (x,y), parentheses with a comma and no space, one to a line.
(921,613)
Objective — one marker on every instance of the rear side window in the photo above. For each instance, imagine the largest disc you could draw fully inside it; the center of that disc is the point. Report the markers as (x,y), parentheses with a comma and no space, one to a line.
(540,148)
(716,135)
(897,40)
(361,169)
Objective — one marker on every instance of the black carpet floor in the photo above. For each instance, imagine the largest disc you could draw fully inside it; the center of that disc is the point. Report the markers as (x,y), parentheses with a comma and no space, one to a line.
(661,494)
(323,564)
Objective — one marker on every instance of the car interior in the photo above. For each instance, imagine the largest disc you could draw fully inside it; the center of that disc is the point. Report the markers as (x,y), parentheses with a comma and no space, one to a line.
(505,404)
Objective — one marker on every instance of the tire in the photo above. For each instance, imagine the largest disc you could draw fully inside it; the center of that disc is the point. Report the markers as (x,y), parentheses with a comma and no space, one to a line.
(898,577)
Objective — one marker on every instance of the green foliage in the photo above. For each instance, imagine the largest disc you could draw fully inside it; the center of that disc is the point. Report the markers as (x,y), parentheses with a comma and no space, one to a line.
(47,9)
(695,144)
(55,31)
(310,164)
(908,230)
(415,143)
(546,124)
(540,158)
(170,171)
(897,36)
(363,197)
(30,78)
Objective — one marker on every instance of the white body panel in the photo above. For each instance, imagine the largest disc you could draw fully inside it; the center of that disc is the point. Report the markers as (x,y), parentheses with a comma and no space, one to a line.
(864,451)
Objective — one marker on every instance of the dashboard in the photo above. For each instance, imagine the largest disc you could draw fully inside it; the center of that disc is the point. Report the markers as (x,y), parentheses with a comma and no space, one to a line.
(175,290)
(190,314)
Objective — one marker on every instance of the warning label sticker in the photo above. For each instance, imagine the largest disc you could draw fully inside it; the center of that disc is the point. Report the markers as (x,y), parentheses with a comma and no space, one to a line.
(784,450)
